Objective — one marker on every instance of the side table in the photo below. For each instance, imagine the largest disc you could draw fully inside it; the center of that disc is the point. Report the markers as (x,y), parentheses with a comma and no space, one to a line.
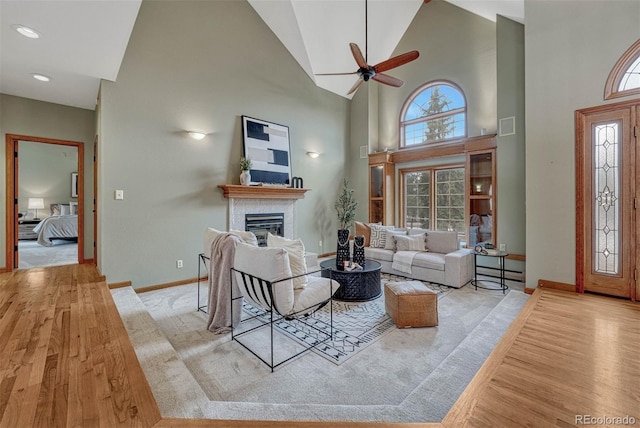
(502,285)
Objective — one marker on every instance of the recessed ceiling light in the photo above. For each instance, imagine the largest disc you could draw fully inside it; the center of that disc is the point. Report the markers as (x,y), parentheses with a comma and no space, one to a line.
(26,31)
(41,77)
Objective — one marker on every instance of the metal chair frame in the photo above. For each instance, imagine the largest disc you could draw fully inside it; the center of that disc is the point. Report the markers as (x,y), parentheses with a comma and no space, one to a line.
(275,315)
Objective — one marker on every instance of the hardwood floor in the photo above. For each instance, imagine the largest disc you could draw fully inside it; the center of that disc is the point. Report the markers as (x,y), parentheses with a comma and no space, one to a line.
(66,360)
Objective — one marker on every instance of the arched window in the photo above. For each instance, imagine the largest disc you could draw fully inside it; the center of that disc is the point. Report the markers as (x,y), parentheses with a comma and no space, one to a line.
(624,78)
(435,112)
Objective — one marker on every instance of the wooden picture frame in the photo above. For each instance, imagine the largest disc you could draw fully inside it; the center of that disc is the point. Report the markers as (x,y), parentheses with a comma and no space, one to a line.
(267,145)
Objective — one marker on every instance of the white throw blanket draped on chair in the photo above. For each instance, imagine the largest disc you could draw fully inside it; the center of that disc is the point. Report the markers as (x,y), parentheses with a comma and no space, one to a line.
(402,261)
(223,250)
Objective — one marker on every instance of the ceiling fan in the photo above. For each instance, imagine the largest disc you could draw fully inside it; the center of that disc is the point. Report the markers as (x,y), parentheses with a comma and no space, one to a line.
(375,72)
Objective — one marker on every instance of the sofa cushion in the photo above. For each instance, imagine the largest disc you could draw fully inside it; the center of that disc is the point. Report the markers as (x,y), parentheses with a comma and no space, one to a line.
(270,264)
(411,243)
(296,251)
(441,241)
(429,260)
(378,254)
(316,292)
(417,231)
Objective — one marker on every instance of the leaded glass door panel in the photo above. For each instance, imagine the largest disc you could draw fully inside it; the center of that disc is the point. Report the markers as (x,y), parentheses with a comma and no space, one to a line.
(606,236)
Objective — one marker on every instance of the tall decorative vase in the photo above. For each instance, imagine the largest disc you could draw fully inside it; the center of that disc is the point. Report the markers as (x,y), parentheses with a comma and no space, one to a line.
(342,253)
(358,250)
(245,178)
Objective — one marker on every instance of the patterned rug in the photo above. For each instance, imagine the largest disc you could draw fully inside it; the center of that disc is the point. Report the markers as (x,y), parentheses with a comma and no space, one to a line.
(356,325)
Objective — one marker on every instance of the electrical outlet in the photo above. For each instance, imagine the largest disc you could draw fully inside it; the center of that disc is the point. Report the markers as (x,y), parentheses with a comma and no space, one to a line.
(179,264)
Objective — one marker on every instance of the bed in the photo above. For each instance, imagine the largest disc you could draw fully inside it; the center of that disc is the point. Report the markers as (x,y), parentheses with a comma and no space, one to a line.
(61,225)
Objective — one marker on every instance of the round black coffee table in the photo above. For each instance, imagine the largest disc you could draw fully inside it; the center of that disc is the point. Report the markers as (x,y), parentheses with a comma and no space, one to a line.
(355,285)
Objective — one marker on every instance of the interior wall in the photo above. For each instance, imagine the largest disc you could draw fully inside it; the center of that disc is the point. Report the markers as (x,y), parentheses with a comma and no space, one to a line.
(24,116)
(201,65)
(510,160)
(454,45)
(45,172)
(571,47)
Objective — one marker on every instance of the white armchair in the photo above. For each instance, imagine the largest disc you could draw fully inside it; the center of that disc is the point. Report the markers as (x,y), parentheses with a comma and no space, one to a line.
(262,276)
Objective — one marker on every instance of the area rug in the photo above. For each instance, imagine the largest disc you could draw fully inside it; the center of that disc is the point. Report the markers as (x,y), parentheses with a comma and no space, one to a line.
(31,254)
(356,325)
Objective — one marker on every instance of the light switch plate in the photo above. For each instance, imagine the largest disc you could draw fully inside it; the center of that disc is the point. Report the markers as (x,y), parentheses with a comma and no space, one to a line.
(119,194)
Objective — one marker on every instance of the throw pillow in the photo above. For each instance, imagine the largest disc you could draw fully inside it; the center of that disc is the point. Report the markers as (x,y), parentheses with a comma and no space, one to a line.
(65,209)
(412,242)
(73,206)
(295,248)
(365,230)
(390,243)
(378,237)
(247,237)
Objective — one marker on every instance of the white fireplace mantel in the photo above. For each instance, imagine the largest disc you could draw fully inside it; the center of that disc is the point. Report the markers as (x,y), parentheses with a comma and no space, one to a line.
(262,200)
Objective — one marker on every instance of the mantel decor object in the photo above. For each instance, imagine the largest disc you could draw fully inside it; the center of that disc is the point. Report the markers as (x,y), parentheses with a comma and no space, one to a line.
(245,174)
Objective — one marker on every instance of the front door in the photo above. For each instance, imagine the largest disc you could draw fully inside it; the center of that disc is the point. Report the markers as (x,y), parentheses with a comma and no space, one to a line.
(606,199)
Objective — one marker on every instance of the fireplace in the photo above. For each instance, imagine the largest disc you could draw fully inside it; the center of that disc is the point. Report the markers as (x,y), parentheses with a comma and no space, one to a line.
(263,224)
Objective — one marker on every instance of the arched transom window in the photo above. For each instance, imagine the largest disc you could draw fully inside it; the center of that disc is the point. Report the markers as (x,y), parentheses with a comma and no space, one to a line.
(624,78)
(435,112)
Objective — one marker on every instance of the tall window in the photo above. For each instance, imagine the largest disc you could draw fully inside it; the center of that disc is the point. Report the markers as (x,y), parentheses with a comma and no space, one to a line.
(435,112)
(434,198)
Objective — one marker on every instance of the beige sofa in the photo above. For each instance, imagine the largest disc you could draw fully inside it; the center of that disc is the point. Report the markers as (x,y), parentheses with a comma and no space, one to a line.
(442,261)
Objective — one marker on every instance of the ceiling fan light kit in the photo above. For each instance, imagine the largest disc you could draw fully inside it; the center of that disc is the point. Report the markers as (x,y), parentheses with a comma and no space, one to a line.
(368,72)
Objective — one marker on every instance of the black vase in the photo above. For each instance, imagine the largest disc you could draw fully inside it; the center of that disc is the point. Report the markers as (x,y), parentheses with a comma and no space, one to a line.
(342,253)
(358,250)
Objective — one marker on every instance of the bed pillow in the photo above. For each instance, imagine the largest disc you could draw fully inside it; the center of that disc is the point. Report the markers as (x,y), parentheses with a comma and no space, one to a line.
(411,243)
(65,209)
(73,208)
(295,248)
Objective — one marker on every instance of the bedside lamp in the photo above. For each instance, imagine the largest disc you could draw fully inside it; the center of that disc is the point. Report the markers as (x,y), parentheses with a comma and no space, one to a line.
(36,204)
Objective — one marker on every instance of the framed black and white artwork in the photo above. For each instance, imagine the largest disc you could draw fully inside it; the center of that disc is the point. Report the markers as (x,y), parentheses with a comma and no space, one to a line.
(267,145)
(74,184)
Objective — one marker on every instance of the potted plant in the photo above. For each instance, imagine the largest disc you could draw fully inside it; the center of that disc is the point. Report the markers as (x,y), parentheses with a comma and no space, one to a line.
(346,212)
(245,174)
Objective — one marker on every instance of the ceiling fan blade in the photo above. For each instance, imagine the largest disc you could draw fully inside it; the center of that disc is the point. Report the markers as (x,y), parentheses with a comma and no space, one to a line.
(335,74)
(388,80)
(357,55)
(355,86)
(396,61)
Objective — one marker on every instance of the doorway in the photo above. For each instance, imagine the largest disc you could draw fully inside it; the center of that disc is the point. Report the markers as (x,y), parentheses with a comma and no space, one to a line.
(607,199)
(15,206)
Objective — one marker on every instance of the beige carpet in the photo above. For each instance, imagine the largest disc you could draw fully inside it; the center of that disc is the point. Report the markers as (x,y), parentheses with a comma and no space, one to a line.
(408,375)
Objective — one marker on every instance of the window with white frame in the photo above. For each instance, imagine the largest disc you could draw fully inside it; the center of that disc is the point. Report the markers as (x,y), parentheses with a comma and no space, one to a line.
(435,112)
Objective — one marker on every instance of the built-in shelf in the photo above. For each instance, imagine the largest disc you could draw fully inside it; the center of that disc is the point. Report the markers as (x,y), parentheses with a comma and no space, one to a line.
(261,192)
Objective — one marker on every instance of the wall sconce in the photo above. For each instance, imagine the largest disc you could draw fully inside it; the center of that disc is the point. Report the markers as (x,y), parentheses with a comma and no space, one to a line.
(197,135)
(35,204)
(313,155)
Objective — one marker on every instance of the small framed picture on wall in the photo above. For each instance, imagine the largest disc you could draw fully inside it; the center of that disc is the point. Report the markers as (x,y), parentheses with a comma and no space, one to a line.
(74,184)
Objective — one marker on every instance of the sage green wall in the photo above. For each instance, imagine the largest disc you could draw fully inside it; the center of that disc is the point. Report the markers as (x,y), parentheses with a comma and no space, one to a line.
(571,47)
(201,65)
(24,116)
(45,172)
(454,45)
(510,161)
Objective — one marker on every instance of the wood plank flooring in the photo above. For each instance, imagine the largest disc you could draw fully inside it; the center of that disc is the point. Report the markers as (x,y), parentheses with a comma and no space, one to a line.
(66,360)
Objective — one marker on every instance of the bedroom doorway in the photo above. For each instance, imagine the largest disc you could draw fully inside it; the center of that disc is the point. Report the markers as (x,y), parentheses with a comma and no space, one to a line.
(66,195)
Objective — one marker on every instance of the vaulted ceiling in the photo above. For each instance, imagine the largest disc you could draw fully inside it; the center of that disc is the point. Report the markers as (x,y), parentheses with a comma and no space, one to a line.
(83,42)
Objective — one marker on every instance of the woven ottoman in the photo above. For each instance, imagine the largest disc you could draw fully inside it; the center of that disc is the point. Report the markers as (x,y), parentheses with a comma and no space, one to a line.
(411,304)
